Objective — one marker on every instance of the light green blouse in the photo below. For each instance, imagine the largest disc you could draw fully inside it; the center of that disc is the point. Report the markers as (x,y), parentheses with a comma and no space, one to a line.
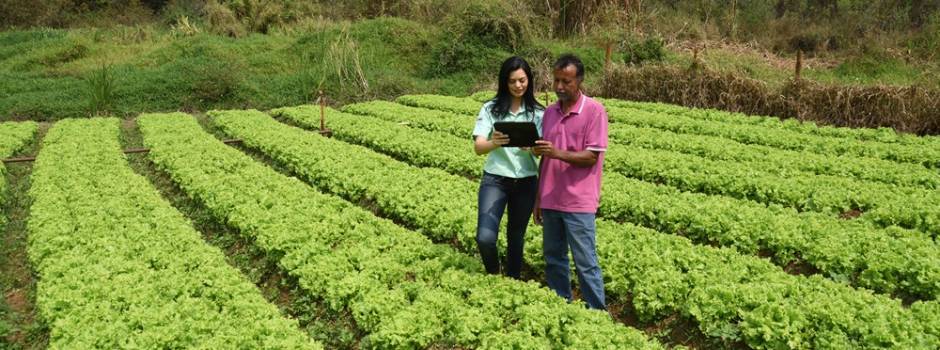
(508,161)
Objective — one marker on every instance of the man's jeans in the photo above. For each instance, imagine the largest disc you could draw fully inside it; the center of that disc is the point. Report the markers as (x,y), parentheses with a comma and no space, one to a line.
(517,197)
(577,230)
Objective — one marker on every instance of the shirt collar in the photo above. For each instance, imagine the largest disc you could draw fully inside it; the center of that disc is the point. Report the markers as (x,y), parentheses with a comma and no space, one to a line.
(578,106)
(520,111)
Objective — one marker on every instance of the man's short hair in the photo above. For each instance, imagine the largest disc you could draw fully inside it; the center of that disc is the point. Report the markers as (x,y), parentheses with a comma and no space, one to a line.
(569,59)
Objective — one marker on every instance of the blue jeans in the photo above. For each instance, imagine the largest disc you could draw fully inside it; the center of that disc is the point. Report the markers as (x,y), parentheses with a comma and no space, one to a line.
(577,230)
(517,197)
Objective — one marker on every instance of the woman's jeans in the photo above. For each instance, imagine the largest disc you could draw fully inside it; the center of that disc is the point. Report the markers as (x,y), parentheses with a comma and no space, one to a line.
(517,197)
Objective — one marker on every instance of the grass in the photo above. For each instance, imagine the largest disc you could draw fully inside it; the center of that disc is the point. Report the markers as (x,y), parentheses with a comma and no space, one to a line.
(44,73)
(868,69)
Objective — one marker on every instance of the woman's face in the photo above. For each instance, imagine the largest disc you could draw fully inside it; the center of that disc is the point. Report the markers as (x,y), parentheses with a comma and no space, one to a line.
(518,83)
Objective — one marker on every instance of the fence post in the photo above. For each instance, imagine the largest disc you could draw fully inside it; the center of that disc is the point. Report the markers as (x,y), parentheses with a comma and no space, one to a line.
(322,109)
(323,130)
(607,53)
(799,64)
(798,86)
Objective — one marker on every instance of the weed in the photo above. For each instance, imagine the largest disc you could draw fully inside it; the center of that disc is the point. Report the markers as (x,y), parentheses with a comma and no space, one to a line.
(100,85)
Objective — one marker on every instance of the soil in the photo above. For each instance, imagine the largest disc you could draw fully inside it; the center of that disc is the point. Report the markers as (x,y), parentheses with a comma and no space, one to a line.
(851,214)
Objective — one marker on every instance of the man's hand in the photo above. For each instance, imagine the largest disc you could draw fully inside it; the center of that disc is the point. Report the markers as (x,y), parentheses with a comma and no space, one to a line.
(499,139)
(544,149)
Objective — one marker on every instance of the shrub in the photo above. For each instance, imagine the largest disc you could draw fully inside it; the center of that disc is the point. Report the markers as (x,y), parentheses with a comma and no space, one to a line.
(478,33)
(69,53)
(908,109)
(926,44)
(222,20)
(637,51)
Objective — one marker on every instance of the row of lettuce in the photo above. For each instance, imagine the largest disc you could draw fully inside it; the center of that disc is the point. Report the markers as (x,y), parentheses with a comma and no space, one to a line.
(401,289)
(791,125)
(13,137)
(405,291)
(731,296)
(906,149)
(880,203)
(754,134)
(879,135)
(119,267)
(675,150)
(776,161)
(764,158)
(888,260)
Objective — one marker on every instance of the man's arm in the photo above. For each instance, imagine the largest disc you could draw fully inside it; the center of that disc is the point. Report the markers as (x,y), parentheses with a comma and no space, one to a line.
(582,159)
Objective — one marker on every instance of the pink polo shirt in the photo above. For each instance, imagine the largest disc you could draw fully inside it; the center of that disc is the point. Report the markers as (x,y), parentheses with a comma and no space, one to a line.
(562,186)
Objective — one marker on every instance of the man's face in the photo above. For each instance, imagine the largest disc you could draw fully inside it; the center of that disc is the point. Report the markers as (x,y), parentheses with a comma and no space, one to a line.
(566,83)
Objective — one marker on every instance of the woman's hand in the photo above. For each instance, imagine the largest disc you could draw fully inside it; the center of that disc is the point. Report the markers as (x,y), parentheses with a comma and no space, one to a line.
(483,146)
(499,139)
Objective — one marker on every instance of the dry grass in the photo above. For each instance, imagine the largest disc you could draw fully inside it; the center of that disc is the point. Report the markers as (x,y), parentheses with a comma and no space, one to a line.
(908,109)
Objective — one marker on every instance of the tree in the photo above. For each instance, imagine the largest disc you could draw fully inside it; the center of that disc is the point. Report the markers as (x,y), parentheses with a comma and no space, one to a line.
(574,15)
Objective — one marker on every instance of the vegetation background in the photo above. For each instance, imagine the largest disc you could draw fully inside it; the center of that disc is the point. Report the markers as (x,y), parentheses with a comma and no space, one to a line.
(869,59)
(872,63)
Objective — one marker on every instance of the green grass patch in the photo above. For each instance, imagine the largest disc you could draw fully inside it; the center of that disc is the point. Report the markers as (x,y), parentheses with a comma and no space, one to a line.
(48,74)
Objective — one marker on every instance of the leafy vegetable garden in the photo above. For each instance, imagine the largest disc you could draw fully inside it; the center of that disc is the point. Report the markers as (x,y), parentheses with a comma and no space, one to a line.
(758,233)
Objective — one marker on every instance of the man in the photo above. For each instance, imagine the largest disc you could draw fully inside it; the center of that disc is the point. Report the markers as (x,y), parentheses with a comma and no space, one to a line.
(575,139)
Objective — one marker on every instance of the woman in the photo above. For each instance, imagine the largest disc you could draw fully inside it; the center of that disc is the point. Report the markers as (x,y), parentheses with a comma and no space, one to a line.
(509,175)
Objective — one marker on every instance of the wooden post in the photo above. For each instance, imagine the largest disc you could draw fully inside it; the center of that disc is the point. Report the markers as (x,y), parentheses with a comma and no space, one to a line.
(322,110)
(799,87)
(799,64)
(734,26)
(696,64)
(607,53)
(323,130)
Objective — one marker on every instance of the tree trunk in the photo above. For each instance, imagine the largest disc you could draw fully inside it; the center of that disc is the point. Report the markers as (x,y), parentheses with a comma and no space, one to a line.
(781,8)
(573,16)
(734,17)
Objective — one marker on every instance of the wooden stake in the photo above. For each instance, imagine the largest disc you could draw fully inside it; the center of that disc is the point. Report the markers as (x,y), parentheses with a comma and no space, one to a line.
(734,25)
(323,130)
(799,64)
(607,52)
(322,110)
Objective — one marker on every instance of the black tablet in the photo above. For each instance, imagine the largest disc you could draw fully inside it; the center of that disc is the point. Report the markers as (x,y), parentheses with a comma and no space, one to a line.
(521,134)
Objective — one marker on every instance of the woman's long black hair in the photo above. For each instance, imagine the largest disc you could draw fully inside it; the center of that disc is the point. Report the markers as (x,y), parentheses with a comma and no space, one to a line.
(503,99)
